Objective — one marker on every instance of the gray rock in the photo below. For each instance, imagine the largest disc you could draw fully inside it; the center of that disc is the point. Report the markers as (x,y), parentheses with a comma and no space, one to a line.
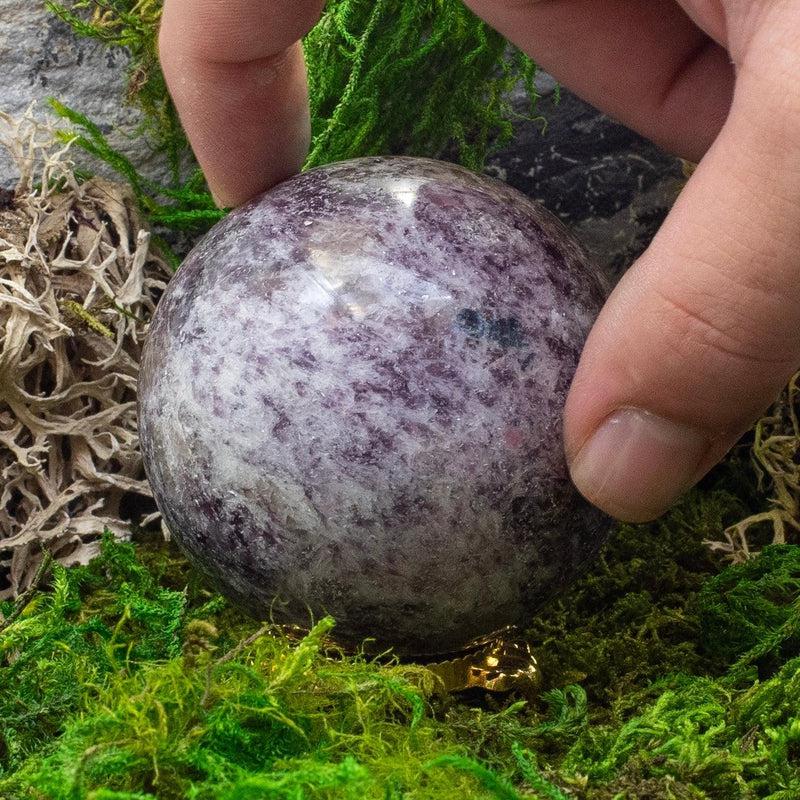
(41,57)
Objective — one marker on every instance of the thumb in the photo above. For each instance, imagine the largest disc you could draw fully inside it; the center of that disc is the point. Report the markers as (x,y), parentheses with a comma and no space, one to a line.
(702,333)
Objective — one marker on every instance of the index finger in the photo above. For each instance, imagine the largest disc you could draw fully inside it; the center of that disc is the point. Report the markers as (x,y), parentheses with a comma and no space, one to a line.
(236,74)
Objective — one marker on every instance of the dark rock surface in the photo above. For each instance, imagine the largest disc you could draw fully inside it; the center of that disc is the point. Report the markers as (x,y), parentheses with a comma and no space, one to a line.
(609,186)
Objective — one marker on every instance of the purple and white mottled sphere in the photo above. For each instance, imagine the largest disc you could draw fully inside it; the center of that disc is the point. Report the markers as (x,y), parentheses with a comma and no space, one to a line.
(350,403)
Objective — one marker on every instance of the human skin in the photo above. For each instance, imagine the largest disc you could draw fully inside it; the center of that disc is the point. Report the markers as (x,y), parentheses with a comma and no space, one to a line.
(704,329)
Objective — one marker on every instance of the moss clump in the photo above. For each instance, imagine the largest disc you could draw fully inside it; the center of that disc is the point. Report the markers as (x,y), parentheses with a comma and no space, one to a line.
(738,607)
(116,683)
(694,737)
(634,617)
(91,622)
(368,62)
(69,450)
(129,678)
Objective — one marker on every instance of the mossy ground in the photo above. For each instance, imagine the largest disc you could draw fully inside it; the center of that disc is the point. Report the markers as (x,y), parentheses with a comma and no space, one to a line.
(669,671)
(668,675)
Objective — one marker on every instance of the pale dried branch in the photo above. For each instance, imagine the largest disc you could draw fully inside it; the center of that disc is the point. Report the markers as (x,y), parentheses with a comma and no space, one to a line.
(775,456)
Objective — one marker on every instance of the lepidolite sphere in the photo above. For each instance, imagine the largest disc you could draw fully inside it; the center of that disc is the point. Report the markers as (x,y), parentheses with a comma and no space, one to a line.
(351,399)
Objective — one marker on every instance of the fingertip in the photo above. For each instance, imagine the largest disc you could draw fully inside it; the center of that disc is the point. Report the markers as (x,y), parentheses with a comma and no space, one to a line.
(637,463)
(701,334)
(219,202)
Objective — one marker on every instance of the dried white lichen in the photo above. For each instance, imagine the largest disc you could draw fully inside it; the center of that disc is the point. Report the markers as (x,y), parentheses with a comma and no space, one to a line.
(78,283)
(776,459)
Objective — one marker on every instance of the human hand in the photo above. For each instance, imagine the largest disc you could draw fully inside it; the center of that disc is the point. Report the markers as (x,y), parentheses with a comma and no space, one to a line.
(704,330)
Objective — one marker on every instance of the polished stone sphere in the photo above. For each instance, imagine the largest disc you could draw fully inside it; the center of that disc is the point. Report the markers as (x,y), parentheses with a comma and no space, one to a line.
(350,403)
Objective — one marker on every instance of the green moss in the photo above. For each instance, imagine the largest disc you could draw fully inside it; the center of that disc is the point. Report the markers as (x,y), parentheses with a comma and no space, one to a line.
(130,678)
(135,681)
(750,614)
(634,616)
(368,63)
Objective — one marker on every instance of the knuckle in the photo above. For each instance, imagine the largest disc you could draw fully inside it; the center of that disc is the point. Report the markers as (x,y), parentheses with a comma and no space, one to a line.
(729,336)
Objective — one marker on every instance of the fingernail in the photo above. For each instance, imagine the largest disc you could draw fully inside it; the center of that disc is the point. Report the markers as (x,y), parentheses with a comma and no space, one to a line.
(637,464)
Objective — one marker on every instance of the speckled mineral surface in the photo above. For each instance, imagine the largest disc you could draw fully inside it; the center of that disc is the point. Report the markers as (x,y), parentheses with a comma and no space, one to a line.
(351,398)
